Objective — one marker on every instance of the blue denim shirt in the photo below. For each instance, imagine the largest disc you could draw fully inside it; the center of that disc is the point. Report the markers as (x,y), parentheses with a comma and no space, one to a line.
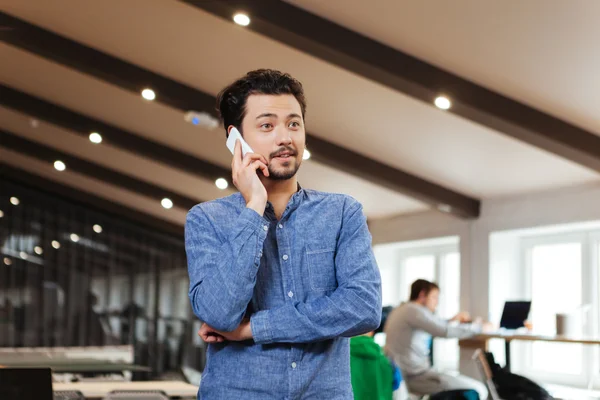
(307,282)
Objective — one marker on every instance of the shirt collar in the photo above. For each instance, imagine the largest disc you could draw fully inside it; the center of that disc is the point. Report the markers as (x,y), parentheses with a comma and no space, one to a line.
(294,202)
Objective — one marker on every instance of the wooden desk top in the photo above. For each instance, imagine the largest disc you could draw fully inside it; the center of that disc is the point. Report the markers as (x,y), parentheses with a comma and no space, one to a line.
(101,389)
(533,337)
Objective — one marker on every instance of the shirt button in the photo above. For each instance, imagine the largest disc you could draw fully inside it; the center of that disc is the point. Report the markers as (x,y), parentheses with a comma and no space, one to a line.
(294,365)
(290,294)
(285,257)
(265,227)
(280,226)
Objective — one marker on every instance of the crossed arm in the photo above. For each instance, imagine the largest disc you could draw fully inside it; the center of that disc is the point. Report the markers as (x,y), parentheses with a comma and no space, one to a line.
(223,275)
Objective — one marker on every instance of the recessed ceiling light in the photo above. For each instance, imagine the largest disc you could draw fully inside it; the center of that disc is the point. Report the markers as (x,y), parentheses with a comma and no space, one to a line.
(97,228)
(148,94)
(14,201)
(23,255)
(56,244)
(34,123)
(38,250)
(95,137)
(444,208)
(1,213)
(306,154)
(59,165)
(7,261)
(74,237)
(442,102)
(167,203)
(221,183)
(241,19)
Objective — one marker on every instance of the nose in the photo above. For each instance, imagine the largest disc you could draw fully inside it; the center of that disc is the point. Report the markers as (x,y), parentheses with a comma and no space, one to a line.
(283,137)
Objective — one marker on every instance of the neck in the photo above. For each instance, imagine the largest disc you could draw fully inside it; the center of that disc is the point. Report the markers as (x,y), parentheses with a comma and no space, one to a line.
(280,192)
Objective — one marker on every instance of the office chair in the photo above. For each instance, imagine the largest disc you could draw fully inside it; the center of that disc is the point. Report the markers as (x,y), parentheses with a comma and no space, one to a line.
(68,395)
(137,395)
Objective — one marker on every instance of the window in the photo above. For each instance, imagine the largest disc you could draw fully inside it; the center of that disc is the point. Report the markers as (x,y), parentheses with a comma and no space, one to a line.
(417,267)
(561,275)
(556,286)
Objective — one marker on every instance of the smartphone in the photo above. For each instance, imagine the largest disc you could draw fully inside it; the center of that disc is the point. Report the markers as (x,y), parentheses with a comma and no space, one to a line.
(234,135)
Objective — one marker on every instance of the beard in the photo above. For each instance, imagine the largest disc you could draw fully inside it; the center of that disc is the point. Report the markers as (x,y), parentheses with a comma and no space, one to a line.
(283,173)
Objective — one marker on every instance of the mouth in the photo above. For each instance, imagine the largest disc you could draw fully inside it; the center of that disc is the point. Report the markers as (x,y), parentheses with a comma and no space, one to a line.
(284,156)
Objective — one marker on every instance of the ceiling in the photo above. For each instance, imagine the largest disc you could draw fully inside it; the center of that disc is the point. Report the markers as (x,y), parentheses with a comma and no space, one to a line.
(541,54)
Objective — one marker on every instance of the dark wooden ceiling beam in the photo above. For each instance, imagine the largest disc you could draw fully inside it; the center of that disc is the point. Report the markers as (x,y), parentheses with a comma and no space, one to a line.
(49,155)
(117,137)
(118,72)
(373,60)
(21,176)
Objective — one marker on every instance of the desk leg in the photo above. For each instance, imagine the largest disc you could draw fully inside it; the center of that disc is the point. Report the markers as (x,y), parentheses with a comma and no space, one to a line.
(466,364)
(507,354)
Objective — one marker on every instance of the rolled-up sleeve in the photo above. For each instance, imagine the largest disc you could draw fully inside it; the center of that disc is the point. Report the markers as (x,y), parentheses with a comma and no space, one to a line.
(223,271)
(353,308)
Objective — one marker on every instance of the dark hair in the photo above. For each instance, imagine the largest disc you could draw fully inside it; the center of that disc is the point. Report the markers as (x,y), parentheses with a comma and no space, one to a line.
(419,286)
(231,101)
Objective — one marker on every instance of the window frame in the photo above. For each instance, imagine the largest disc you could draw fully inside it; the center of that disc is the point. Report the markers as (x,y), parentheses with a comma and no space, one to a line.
(589,277)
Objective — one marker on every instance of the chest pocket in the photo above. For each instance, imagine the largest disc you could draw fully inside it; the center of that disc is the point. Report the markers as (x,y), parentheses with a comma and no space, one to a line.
(321,269)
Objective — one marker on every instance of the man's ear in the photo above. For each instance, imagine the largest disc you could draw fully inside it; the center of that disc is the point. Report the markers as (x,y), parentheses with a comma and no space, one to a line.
(230,127)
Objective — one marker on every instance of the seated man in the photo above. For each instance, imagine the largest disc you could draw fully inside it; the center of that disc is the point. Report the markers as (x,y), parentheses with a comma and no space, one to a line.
(409,329)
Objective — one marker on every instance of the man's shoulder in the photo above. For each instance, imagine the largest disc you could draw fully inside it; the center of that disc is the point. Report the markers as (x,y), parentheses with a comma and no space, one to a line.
(404,311)
(218,207)
(330,198)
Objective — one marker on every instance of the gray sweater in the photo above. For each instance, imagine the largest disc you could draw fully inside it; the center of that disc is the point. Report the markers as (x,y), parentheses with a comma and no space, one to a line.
(408,331)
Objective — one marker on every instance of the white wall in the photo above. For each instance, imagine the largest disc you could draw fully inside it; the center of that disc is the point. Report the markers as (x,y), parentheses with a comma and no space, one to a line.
(575,204)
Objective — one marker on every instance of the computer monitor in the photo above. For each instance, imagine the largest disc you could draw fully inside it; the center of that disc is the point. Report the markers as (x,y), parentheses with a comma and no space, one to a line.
(515,314)
(26,384)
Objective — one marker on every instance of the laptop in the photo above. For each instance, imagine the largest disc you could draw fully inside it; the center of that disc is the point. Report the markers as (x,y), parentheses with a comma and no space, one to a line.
(26,384)
(515,314)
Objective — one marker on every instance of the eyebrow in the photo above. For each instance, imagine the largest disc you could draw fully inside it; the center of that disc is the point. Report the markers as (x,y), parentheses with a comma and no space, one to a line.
(271,115)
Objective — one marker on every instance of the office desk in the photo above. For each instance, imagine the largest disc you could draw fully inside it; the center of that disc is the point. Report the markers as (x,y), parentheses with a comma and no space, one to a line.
(468,346)
(99,390)
(91,367)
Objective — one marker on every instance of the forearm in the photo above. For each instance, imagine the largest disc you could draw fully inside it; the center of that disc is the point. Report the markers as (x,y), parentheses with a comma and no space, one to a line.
(347,312)
(463,331)
(223,274)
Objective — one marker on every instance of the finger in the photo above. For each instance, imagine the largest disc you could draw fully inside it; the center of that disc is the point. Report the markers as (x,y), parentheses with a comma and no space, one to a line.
(251,157)
(262,166)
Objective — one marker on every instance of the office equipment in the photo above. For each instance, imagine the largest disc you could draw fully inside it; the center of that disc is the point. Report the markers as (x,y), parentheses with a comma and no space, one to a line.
(25,384)
(515,314)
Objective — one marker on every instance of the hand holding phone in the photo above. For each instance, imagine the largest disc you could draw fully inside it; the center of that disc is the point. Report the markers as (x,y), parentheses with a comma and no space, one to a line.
(244,168)
(235,135)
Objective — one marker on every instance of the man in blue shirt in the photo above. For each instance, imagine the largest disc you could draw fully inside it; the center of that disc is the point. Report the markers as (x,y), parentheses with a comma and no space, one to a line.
(281,276)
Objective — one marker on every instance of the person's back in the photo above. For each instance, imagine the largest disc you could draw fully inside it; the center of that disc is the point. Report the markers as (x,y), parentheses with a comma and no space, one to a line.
(409,330)
(409,343)
(371,371)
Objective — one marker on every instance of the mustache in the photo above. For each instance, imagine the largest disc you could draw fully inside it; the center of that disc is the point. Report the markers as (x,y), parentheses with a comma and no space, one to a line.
(283,149)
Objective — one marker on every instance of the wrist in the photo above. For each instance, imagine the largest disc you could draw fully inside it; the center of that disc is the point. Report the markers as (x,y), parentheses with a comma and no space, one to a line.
(257,205)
